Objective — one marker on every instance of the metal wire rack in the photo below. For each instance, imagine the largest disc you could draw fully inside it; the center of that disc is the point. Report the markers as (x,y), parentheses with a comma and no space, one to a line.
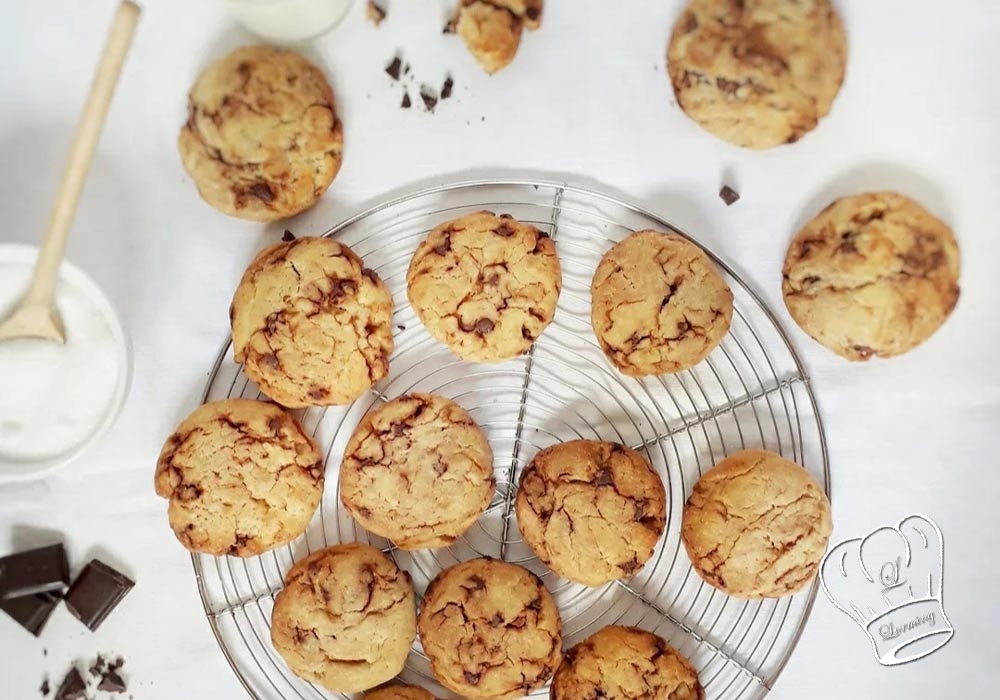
(750,392)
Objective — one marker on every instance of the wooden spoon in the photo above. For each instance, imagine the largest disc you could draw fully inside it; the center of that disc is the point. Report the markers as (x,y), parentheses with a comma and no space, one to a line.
(36,315)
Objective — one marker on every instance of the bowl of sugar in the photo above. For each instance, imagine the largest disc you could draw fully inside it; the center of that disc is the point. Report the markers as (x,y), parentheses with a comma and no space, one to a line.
(57,400)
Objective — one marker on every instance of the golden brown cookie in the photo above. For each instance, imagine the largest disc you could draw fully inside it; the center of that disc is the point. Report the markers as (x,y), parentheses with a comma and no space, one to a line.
(262,139)
(658,304)
(311,323)
(756,525)
(242,477)
(492,29)
(346,618)
(872,274)
(490,630)
(485,285)
(398,692)
(592,511)
(418,471)
(757,74)
(625,663)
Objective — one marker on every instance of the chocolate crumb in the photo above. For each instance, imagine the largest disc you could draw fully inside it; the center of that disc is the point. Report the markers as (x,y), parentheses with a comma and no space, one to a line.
(728,195)
(401,327)
(73,687)
(98,666)
(394,67)
(447,88)
(45,687)
(449,27)
(116,664)
(406,103)
(482,119)
(375,13)
(288,236)
(111,682)
(429,97)
(406,69)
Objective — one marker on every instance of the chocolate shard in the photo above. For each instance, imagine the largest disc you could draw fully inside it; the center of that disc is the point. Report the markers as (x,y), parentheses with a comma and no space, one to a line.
(288,236)
(406,103)
(96,592)
(429,97)
(111,682)
(449,85)
(39,570)
(31,611)
(72,687)
(728,195)
(44,689)
(394,67)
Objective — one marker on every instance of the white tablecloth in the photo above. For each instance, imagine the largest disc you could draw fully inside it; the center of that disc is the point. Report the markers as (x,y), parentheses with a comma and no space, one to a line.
(586,100)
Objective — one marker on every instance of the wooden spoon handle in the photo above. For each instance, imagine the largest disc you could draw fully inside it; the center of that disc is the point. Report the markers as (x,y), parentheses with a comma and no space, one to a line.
(81,153)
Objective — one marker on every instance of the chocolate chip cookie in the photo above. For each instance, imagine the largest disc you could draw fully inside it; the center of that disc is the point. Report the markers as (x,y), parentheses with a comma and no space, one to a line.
(485,285)
(872,274)
(262,139)
(757,74)
(242,477)
(311,324)
(398,692)
(345,619)
(625,663)
(658,304)
(592,511)
(490,630)
(756,526)
(492,29)
(418,471)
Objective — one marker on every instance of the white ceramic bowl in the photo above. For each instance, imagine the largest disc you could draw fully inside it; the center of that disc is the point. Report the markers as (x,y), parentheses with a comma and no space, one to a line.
(14,469)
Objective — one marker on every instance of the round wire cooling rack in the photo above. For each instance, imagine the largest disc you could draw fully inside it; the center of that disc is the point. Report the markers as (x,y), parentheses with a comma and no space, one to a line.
(750,392)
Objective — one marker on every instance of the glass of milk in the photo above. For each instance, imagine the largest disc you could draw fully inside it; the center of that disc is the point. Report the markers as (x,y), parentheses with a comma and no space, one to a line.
(289,20)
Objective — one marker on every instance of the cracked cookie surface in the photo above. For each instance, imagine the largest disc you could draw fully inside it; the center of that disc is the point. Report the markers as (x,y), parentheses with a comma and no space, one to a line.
(625,663)
(242,477)
(757,73)
(658,304)
(756,525)
(418,471)
(490,630)
(312,324)
(491,29)
(592,511)
(262,141)
(872,275)
(398,692)
(485,285)
(346,618)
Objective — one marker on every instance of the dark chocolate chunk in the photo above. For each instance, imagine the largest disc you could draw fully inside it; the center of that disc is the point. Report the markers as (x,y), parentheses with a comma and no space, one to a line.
(73,686)
(394,67)
(44,689)
(729,195)
(34,571)
(406,103)
(111,682)
(446,89)
(288,236)
(31,611)
(429,97)
(262,191)
(96,592)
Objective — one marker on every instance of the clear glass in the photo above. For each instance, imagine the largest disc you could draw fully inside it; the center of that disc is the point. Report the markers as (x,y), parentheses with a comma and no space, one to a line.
(289,20)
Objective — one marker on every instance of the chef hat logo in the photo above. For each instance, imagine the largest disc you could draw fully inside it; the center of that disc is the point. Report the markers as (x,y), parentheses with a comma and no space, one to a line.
(889,582)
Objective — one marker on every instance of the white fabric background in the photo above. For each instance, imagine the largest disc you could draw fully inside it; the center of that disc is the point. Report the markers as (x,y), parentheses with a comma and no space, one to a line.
(587,99)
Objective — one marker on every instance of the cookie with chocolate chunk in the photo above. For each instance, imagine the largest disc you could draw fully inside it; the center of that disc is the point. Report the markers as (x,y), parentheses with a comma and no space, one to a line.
(262,140)
(311,324)
(756,526)
(492,29)
(417,471)
(345,619)
(503,624)
(659,305)
(485,285)
(872,275)
(592,511)
(242,477)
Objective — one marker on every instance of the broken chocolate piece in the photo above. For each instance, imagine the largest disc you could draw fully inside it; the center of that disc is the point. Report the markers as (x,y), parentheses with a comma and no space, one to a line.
(401,327)
(729,195)
(35,571)
(393,68)
(111,682)
(262,191)
(429,97)
(73,686)
(96,592)
(446,89)
(406,103)
(288,236)
(44,689)
(31,611)
(375,12)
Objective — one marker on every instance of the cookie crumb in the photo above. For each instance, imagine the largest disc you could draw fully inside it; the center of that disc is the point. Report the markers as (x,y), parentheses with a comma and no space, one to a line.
(406,103)
(288,236)
(449,27)
(728,195)
(446,89)
(429,97)
(375,12)
(394,67)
